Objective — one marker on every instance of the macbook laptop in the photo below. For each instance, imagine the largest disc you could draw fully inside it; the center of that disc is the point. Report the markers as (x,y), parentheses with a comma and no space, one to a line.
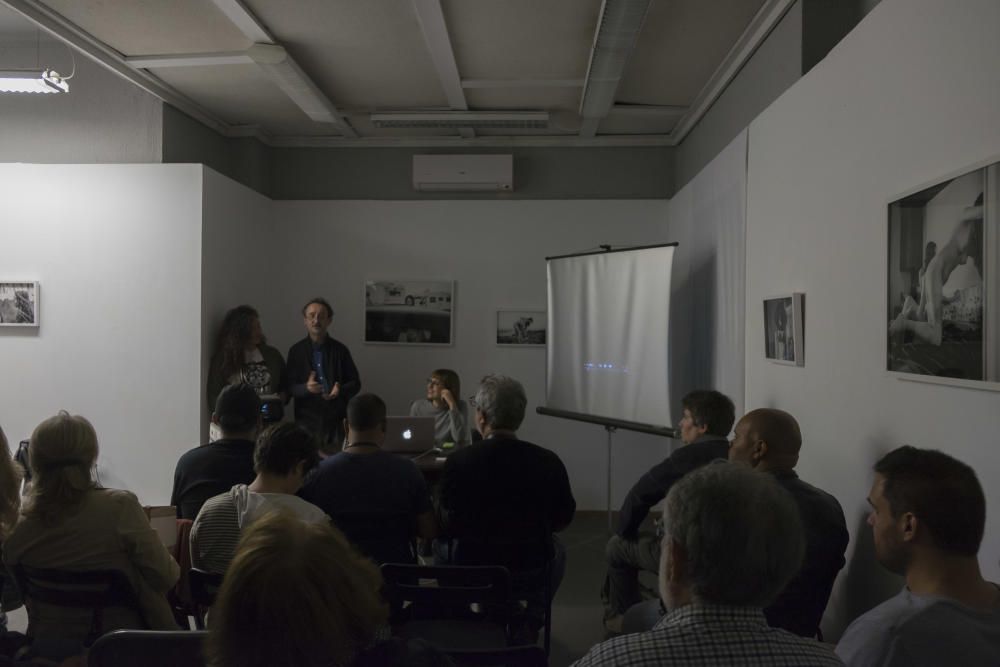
(409,435)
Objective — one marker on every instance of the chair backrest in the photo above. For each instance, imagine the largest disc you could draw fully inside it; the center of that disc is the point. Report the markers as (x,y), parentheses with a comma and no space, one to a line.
(453,586)
(511,656)
(149,648)
(204,586)
(96,590)
(385,538)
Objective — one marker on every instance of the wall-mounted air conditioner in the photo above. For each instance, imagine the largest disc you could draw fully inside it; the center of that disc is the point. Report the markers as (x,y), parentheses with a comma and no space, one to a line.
(463,173)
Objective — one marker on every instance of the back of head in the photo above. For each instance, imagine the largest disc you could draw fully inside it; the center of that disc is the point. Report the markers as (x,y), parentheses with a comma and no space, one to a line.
(281,447)
(366,412)
(296,593)
(711,409)
(10,479)
(779,430)
(502,401)
(942,492)
(61,454)
(449,380)
(238,408)
(741,533)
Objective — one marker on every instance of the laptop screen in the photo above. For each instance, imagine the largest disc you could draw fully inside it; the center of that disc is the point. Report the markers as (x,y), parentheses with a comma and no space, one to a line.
(409,434)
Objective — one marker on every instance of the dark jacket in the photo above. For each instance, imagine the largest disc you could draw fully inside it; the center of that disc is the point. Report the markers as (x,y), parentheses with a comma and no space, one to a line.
(312,410)
(209,470)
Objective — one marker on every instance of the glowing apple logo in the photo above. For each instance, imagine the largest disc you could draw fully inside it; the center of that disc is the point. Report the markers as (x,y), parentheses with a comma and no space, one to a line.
(407,434)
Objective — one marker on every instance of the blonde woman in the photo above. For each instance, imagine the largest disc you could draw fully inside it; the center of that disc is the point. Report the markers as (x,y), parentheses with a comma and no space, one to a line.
(70,523)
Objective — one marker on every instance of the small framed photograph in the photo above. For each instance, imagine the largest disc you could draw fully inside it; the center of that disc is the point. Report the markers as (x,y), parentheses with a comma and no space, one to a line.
(18,304)
(521,328)
(409,312)
(783,329)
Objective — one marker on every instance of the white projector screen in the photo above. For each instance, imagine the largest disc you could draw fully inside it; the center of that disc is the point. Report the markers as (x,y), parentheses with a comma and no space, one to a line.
(607,344)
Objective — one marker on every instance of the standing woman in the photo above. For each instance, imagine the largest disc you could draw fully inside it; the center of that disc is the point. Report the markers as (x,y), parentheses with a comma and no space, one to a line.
(451,414)
(242,355)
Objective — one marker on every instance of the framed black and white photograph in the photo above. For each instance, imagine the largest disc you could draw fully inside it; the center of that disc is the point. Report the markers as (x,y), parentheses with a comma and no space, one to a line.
(521,328)
(943,285)
(783,330)
(18,304)
(409,312)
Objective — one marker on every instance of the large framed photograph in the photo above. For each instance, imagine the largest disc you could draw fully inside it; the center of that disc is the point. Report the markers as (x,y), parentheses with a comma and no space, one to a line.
(409,312)
(943,284)
(18,304)
(783,329)
(521,328)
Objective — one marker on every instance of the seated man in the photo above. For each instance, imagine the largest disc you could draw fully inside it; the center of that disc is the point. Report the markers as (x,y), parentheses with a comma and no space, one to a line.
(378,499)
(734,539)
(284,455)
(214,468)
(503,498)
(707,419)
(927,519)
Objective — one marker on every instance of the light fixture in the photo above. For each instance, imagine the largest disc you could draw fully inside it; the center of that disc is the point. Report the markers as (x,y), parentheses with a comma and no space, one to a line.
(456,119)
(32,81)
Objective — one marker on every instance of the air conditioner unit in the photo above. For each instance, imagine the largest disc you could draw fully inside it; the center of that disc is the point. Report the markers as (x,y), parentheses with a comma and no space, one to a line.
(463,173)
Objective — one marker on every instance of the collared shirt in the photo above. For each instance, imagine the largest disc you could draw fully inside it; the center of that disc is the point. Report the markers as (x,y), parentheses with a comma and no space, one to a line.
(711,635)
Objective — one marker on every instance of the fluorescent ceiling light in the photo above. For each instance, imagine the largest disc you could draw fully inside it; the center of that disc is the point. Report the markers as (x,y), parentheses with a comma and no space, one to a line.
(457,119)
(32,81)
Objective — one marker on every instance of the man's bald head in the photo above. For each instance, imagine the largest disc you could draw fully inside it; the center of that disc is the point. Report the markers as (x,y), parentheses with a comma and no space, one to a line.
(767,437)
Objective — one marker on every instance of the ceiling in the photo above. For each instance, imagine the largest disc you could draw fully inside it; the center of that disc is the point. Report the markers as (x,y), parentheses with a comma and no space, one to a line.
(618,72)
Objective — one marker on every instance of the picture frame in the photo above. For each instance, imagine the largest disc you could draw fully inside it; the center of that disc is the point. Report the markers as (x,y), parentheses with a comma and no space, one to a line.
(409,312)
(522,328)
(784,340)
(19,305)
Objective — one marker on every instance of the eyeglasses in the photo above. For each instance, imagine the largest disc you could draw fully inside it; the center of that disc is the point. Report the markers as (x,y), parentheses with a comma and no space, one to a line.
(434,382)
(472,401)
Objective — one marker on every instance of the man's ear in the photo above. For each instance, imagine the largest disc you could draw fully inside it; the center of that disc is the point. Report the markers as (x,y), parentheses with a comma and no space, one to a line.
(347,427)
(910,526)
(760,450)
(676,563)
(215,419)
(701,428)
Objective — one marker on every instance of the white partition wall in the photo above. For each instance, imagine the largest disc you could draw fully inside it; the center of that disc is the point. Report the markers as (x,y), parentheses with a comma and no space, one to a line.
(907,98)
(117,250)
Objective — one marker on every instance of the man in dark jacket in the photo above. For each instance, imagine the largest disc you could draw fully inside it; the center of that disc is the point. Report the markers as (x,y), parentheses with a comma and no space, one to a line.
(707,419)
(322,378)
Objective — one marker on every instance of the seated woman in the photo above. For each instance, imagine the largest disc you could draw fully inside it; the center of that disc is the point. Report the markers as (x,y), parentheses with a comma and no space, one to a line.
(296,593)
(70,523)
(242,356)
(451,414)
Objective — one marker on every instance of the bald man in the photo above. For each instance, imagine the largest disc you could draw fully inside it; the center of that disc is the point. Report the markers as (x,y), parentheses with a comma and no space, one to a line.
(769,441)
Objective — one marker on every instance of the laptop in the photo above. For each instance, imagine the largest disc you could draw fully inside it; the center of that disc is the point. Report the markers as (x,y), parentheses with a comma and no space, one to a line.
(408,435)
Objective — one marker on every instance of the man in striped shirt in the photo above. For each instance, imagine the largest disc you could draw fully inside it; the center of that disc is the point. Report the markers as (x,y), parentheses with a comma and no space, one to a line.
(734,539)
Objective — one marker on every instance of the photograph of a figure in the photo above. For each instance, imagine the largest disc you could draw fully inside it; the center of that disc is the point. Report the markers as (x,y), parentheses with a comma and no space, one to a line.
(783,329)
(937,282)
(521,327)
(19,304)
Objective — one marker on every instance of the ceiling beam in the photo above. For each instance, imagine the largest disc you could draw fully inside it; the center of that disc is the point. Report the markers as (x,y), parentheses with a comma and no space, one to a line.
(648,110)
(245,21)
(522,83)
(190,60)
(430,16)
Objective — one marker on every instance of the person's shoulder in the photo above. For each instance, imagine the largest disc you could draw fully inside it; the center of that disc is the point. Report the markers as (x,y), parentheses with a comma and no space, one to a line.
(807,652)
(336,344)
(119,496)
(216,504)
(640,649)
(866,640)
(715,447)
(299,346)
(269,351)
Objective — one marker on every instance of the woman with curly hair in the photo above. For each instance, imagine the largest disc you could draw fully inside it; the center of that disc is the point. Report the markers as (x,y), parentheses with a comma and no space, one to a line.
(242,355)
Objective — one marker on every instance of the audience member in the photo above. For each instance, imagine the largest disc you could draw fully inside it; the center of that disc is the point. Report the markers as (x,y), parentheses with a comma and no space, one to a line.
(769,441)
(451,414)
(242,355)
(322,378)
(502,499)
(70,523)
(707,419)
(296,595)
(733,540)
(380,500)
(928,516)
(10,503)
(214,468)
(283,457)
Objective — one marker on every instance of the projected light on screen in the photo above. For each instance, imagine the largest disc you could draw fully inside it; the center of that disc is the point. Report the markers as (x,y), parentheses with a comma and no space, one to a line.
(592,367)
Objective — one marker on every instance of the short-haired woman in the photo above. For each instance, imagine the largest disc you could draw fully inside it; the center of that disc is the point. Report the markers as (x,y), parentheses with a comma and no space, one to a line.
(451,414)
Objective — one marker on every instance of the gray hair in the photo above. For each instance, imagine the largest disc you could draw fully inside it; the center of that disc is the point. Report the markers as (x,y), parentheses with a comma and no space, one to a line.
(741,533)
(502,401)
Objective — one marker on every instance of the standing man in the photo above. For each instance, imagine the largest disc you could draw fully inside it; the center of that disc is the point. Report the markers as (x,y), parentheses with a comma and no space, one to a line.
(708,417)
(322,377)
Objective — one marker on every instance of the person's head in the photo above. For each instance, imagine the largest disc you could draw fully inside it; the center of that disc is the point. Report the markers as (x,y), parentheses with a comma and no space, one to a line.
(365,420)
(285,450)
(61,454)
(317,315)
(923,499)
(443,378)
(929,251)
(10,483)
(500,403)
(706,412)
(734,538)
(240,331)
(766,438)
(295,593)
(237,411)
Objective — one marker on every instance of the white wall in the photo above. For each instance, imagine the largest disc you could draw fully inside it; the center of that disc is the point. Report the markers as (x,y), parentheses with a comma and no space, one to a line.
(117,250)
(905,99)
(495,252)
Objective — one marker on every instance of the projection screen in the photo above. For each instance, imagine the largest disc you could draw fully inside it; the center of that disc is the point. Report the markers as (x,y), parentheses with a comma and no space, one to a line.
(608,345)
